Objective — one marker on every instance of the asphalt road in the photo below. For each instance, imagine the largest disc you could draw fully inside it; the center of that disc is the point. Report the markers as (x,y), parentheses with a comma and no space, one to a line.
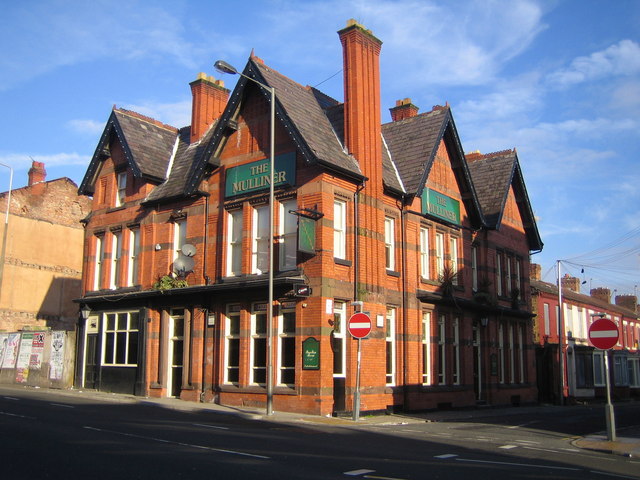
(45,435)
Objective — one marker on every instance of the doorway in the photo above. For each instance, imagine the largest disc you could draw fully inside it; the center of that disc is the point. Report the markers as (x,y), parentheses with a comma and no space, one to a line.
(175,352)
(477,362)
(89,376)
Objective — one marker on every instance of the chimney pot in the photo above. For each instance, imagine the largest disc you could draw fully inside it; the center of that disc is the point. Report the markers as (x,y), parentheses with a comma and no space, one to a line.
(403,109)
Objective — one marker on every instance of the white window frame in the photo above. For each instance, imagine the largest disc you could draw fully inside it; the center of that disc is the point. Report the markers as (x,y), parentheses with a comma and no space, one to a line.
(115,331)
(633,363)
(547,319)
(439,254)
(453,254)
(501,355)
(442,349)
(288,235)
(339,337)
(390,339)
(474,268)
(424,253)
(99,264)
(231,335)
(511,347)
(260,240)
(456,351)
(116,260)
(179,237)
(520,331)
(134,257)
(339,229)
(234,243)
(499,274)
(121,188)
(258,308)
(390,243)
(599,379)
(427,378)
(286,336)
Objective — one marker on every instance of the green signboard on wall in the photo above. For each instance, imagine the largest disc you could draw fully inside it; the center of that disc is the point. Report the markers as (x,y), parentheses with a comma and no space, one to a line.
(310,354)
(441,206)
(255,176)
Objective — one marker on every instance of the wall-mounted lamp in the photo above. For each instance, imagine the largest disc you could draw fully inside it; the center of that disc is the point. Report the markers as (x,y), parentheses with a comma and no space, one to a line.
(85,311)
(484,321)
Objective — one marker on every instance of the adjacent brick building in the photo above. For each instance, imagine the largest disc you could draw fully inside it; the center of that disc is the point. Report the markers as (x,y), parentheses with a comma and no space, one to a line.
(391,219)
(42,267)
(583,369)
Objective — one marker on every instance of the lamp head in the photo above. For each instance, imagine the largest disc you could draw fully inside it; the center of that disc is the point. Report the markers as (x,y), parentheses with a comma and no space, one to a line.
(224,67)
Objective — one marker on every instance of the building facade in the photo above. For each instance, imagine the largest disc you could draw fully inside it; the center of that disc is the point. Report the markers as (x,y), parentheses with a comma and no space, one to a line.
(392,220)
(583,370)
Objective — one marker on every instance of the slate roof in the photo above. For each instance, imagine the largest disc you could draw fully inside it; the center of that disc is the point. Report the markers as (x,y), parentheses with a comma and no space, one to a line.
(494,174)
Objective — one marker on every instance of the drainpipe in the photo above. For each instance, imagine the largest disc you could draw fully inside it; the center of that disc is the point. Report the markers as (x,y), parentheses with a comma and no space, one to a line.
(356,234)
(405,319)
(206,238)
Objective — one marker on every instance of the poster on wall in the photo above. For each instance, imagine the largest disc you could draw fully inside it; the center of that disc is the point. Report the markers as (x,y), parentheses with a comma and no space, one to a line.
(37,349)
(57,356)
(22,365)
(4,339)
(11,351)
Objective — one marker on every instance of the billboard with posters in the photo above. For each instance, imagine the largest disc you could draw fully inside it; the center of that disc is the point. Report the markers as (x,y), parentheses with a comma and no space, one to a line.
(37,350)
(11,351)
(57,356)
(22,365)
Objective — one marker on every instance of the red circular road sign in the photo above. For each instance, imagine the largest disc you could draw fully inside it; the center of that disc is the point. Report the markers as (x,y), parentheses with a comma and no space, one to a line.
(359,325)
(603,334)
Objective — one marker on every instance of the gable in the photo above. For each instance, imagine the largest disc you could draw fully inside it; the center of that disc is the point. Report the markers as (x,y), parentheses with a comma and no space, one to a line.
(511,213)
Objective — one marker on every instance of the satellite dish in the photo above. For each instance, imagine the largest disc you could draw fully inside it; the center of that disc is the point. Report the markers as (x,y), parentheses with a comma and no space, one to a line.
(188,250)
(183,265)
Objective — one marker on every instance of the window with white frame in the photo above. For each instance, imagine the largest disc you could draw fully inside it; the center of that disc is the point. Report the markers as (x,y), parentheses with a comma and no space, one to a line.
(122,189)
(426,348)
(519,278)
(453,253)
(474,268)
(258,349)
(97,277)
(499,274)
(179,237)
(116,259)
(598,369)
(287,344)
(390,339)
(260,240)
(501,356)
(338,339)
(521,352)
(134,257)
(232,344)
(633,363)
(339,229)
(442,352)
(288,231)
(439,255)
(120,339)
(234,244)
(547,322)
(508,277)
(511,347)
(389,243)
(456,351)
(424,253)
(620,371)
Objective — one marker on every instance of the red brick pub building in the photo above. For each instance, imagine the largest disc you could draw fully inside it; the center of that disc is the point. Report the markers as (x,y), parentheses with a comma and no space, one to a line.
(435,246)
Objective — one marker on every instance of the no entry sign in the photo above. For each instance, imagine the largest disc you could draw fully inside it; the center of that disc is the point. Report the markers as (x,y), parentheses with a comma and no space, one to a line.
(359,325)
(603,334)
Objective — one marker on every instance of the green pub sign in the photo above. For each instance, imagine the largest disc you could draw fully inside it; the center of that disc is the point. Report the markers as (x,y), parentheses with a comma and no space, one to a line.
(310,354)
(441,206)
(255,176)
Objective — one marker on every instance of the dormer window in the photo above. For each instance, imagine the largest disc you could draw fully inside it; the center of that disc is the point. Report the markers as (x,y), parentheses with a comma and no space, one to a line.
(122,189)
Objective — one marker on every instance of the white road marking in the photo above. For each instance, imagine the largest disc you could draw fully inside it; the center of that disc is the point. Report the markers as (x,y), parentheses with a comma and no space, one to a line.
(517,464)
(153,439)
(210,426)
(355,473)
(61,405)
(16,415)
(446,455)
(508,447)
(11,398)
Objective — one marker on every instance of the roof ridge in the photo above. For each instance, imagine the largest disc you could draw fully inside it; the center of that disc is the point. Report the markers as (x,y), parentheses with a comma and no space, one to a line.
(145,118)
(481,156)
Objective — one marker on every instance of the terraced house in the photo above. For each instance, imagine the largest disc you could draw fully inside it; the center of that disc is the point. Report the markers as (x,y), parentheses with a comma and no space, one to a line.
(389,219)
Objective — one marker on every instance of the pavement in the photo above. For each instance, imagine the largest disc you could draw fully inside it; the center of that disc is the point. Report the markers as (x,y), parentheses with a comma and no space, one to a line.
(627,442)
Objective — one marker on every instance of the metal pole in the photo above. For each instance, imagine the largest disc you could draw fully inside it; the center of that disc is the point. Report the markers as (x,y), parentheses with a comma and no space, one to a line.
(609,414)
(6,226)
(356,396)
(560,337)
(272,165)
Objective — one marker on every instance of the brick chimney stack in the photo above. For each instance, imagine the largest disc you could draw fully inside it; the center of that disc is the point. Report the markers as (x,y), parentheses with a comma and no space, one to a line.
(600,293)
(535,271)
(572,283)
(403,109)
(630,302)
(209,100)
(37,173)
(362,124)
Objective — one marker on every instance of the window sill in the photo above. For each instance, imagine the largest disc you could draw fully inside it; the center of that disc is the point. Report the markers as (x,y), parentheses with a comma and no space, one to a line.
(116,209)
(393,273)
(342,261)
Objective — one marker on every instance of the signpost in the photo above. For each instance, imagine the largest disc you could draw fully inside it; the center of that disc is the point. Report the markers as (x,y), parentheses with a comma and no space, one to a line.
(603,334)
(359,326)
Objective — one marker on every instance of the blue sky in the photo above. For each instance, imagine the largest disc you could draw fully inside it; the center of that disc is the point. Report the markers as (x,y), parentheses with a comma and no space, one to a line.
(558,80)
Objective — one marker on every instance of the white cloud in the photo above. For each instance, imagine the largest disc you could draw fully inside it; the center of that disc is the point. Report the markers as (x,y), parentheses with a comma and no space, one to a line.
(620,59)
(177,114)
(22,161)
(89,127)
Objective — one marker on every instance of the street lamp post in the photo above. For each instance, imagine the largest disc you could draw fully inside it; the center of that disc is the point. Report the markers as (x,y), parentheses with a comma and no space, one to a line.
(224,67)
(6,226)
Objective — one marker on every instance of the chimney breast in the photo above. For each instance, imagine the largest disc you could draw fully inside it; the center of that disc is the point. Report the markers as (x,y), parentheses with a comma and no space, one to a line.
(37,173)
(600,293)
(629,302)
(535,271)
(572,283)
(403,109)
(209,100)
